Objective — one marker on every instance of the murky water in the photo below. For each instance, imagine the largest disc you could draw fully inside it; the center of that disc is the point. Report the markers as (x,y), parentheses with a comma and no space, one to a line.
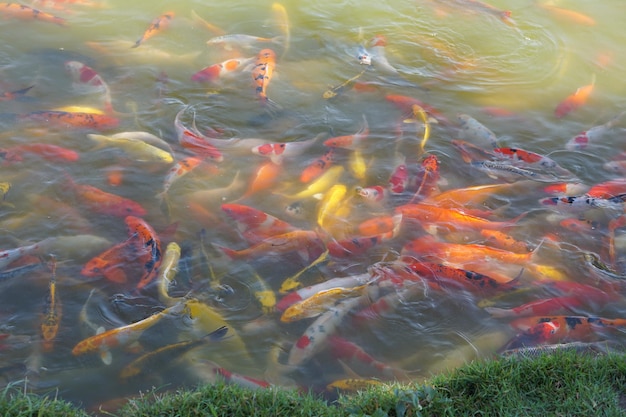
(454,56)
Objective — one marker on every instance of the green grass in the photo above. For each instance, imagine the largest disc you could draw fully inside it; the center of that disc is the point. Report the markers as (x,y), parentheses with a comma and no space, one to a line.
(560,384)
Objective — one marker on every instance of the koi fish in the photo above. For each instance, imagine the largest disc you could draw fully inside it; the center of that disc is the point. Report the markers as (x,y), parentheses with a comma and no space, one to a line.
(157,25)
(353,141)
(111,262)
(99,201)
(475,131)
(264,178)
(353,384)
(87,79)
(426,181)
(405,104)
(356,245)
(305,242)
(333,92)
(281,19)
(167,353)
(329,204)
(263,71)
(194,141)
(567,14)
(293,282)
(575,100)
(52,314)
(240,41)
(46,151)
(318,166)
(215,72)
(209,26)
(318,303)
(593,134)
(581,203)
(167,272)
(472,153)
(374,194)
(13,95)
(321,184)
(344,349)
(256,225)
(479,6)
(148,245)
(504,241)
(238,379)
(608,189)
(277,152)
(22,12)
(511,173)
(179,170)
(574,328)
(135,150)
(124,335)
(70,119)
(399,178)
(378,46)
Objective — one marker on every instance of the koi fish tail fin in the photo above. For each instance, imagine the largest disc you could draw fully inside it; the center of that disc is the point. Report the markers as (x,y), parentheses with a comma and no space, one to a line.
(217,335)
(514,284)
(231,253)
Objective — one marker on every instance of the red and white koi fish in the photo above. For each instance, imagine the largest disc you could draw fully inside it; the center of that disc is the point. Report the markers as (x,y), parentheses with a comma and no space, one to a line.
(575,100)
(593,134)
(476,132)
(22,12)
(315,338)
(277,152)
(263,72)
(157,25)
(344,349)
(195,142)
(256,225)
(353,141)
(238,379)
(88,80)
(214,73)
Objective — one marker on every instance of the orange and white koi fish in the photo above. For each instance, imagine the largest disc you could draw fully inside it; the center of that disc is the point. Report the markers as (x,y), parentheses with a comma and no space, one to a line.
(569,15)
(22,12)
(593,134)
(46,151)
(14,95)
(318,166)
(125,335)
(157,25)
(99,201)
(353,141)
(195,142)
(214,73)
(306,243)
(278,151)
(262,72)
(256,225)
(179,170)
(52,314)
(71,119)
(148,248)
(86,79)
(575,100)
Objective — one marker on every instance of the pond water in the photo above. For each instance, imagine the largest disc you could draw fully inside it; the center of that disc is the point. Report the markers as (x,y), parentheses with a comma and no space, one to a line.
(513,74)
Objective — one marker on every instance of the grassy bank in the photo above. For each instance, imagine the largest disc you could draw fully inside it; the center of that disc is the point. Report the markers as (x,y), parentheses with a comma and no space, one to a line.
(564,383)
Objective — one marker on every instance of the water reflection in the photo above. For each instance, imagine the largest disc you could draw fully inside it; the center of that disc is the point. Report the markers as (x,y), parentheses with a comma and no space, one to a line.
(418,307)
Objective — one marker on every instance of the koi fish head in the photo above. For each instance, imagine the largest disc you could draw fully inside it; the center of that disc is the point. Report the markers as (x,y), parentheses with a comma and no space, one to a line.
(578,142)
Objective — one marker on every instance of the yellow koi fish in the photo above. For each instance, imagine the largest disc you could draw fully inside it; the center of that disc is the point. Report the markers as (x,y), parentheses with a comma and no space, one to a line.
(321,184)
(318,303)
(52,315)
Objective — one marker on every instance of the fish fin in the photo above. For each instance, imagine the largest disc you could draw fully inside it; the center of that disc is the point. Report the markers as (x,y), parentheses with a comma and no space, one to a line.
(106,357)
(100,330)
(218,334)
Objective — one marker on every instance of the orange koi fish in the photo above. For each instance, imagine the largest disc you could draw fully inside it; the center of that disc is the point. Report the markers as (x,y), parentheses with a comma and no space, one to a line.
(575,100)
(570,15)
(351,142)
(52,314)
(215,72)
(263,71)
(148,246)
(13,95)
(86,78)
(501,240)
(69,119)
(450,218)
(378,225)
(318,166)
(608,189)
(111,262)
(46,151)
(194,141)
(99,201)
(264,178)
(457,253)
(256,225)
(19,11)
(157,25)
(305,242)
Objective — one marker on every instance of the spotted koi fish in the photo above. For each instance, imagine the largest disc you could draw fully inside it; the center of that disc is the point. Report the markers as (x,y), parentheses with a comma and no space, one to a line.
(263,71)
(155,27)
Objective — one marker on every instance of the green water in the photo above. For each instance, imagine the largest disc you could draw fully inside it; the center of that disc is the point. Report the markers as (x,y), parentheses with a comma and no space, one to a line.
(451,55)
